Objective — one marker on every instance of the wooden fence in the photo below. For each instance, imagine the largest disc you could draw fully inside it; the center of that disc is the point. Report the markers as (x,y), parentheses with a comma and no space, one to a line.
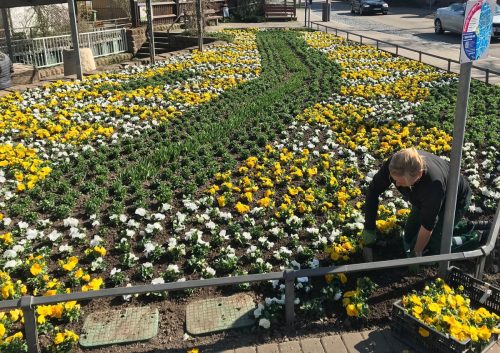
(168,11)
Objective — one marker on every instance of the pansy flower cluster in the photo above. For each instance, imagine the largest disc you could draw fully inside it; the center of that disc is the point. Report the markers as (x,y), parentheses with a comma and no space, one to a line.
(43,126)
(449,311)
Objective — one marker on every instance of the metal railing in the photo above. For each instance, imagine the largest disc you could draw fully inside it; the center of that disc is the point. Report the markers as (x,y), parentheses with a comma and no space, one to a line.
(48,51)
(28,303)
(486,73)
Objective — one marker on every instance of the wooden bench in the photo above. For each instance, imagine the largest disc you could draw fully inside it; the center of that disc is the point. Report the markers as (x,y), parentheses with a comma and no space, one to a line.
(211,16)
(279,11)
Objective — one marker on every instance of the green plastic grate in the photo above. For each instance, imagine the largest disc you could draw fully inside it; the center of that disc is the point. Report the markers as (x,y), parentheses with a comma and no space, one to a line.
(220,314)
(119,326)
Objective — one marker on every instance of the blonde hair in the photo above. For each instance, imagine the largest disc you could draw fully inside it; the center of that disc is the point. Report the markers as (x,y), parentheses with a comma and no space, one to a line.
(406,163)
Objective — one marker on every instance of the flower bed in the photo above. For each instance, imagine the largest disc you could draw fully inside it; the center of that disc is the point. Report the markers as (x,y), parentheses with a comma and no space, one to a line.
(252,158)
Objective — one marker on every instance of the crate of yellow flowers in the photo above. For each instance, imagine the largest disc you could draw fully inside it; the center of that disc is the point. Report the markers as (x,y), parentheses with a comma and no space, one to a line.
(456,316)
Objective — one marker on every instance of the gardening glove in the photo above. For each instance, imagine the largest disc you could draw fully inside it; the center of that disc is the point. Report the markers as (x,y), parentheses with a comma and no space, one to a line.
(413,269)
(369,237)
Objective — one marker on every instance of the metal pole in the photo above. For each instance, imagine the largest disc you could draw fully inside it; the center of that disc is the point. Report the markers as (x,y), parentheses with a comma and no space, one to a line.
(6,27)
(149,11)
(199,17)
(134,15)
(305,13)
(495,227)
(289,298)
(30,324)
(74,38)
(456,156)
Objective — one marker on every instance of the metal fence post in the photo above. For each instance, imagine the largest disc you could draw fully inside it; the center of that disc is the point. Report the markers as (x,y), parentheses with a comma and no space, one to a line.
(487,76)
(449,65)
(419,56)
(360,39)
(289,299)
(45,57)
(377,44)
(30,324)
(397,49)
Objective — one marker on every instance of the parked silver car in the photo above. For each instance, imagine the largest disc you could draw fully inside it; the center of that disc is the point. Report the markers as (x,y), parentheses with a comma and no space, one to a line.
(451,19)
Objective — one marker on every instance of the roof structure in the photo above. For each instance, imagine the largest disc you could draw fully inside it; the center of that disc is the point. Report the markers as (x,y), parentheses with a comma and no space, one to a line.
(5,4)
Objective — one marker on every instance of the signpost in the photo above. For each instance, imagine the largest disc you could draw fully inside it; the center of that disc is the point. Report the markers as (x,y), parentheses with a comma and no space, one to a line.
(476,37)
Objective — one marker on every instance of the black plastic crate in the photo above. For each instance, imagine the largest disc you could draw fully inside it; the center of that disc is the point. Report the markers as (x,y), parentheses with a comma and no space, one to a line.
(406,327)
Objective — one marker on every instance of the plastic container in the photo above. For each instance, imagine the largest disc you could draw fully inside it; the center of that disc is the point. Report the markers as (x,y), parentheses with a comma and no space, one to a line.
(406,327)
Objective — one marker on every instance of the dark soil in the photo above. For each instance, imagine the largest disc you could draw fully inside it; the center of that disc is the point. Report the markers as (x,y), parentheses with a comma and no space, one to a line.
(393,283)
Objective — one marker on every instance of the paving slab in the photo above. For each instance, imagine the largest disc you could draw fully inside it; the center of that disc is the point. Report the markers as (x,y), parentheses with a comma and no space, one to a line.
(311,345)
(395,343)
(352,341)
(246,350)
(333,344)
(495,348)
(375,341)
(290,347)
(226,351)
(268,348)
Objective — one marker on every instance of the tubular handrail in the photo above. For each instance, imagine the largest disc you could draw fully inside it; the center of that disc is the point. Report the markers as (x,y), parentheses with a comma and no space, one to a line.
(420,53)
(48,51)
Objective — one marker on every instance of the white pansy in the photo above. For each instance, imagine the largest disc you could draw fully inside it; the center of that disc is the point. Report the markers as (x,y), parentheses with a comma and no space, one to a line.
(70,222)
(66,248)
(258,312)
(9,254)
(12,264)
(265,323)
(32,234)
(158,280)
(149,247)
(159,216)
(54,235)
(23,225)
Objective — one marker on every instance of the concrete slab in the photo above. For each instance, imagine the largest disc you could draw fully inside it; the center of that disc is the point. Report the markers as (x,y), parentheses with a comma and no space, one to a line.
(290,347)
(351,342)
(311,345)
(246,350)
(375,341)
(333,344)
(268,348)
(394,343)
(495,348)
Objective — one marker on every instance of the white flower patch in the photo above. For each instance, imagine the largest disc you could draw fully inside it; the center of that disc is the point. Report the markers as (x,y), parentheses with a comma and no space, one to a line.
(54,236)
(141,212)
(70,222)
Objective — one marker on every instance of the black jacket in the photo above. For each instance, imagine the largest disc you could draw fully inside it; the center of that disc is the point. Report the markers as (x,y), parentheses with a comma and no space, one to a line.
(427,194)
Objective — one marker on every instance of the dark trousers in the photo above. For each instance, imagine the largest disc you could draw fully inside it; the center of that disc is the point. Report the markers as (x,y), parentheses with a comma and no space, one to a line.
(412,227)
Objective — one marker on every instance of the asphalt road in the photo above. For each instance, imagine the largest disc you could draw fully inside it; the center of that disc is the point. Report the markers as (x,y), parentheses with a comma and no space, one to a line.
(414,26)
